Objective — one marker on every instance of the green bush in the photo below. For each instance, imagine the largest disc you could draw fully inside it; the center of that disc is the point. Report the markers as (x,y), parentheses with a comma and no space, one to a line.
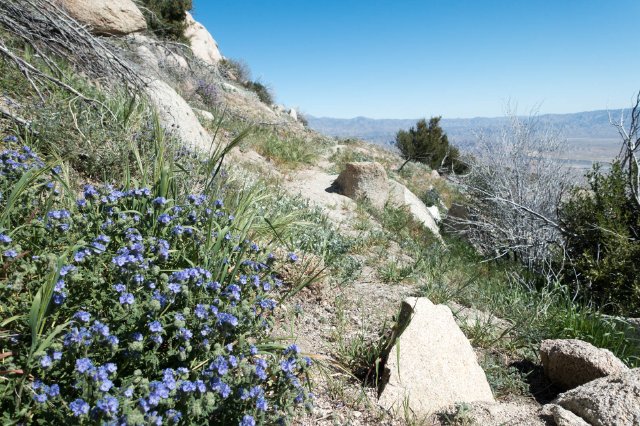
(235,68)
(264,92)
(239,70)
(166,18)
(602,226)
(428,143)
(430,197)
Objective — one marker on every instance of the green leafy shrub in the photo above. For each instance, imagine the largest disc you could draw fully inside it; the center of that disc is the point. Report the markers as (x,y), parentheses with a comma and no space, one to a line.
(235,69)
(505,380)
(264,92)
(429,144)
(166,18)
(430,197)
(136,305)
(239,70)
(601,229)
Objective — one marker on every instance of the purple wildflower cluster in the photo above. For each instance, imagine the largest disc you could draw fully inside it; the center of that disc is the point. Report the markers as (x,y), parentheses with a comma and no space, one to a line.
(15,162)
(209,92)
(163,300)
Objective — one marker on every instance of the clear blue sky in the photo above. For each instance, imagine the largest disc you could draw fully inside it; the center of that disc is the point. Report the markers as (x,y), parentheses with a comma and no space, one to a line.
(411,58)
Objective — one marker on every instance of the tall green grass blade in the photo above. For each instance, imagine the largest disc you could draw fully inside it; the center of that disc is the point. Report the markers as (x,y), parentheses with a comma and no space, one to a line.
(24,183)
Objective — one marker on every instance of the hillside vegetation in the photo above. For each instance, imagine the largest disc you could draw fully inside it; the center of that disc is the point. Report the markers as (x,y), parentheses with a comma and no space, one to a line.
(149,279)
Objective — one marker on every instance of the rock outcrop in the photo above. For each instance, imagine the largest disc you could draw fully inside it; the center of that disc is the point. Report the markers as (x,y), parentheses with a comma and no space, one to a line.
(368,181)
(563,417)
(608,401)
(400,196)
(432,364)
(106,17)
(364,181)
(205,115)
(155,56)
(569,363)
(176,116)
(499,414)
(435,213)
(203,45)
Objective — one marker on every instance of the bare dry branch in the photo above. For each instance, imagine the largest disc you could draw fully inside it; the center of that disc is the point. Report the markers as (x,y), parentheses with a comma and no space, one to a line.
(629,155)
(51,32)
(515,187)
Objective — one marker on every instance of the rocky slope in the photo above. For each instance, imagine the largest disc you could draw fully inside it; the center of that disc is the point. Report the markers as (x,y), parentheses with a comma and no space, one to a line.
(411,361)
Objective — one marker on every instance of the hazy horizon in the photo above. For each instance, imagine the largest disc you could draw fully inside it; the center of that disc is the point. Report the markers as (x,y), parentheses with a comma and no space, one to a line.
(617,110)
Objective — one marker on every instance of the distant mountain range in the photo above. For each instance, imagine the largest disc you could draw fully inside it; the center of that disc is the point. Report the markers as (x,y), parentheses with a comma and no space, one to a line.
(592,125)
(590,135)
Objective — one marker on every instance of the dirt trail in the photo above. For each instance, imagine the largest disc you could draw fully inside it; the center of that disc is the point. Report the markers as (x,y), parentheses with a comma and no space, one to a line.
(331,314)
(331,318)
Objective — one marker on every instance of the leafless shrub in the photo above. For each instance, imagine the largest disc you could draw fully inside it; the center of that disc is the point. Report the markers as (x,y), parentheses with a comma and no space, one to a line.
(516,183)
(630,151)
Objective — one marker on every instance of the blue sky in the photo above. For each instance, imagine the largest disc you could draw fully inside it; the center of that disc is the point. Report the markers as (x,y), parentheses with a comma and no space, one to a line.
(411,58)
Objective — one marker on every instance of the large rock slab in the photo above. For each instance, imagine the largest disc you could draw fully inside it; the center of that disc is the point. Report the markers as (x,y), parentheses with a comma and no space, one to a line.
(569,363)
(203,45)
(432,364)
(176,116)
(401,196)
(364,181)
(106,17)
(608,401)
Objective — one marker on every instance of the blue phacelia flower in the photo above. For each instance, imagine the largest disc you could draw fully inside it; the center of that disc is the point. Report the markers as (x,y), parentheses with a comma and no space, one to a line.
(82,316)
(83,365)
(159,201)
(108,405)
(79,407)
(10,253)
(40,398)
(46,361)
(225,318)
(247,420)
(126,299)
(155,326)
(164,219)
